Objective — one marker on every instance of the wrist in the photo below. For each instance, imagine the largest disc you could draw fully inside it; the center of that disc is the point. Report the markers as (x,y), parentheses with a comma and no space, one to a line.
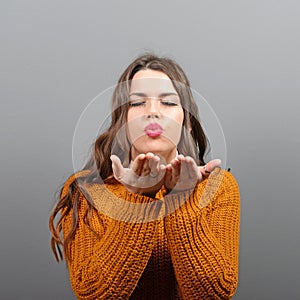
(150,191)
(143,191)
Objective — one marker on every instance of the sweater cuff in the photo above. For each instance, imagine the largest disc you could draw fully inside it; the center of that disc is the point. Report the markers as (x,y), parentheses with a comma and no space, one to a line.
(179,202)
(195,199)
(117,203)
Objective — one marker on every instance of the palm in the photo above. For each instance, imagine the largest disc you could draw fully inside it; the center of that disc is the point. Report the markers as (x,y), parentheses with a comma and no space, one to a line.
(183,173)
(144,176)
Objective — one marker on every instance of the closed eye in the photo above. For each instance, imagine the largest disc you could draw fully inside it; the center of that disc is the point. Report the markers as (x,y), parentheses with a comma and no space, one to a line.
(136,103)
(169,103)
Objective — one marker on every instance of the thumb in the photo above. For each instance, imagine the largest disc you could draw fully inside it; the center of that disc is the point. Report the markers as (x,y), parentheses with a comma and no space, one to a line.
(116,166)
(210,166)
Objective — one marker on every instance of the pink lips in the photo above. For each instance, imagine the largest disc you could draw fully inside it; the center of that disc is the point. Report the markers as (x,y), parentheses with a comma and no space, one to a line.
(153,130)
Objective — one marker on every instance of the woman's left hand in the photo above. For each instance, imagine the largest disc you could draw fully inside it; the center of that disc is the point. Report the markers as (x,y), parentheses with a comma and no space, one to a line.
(183,173)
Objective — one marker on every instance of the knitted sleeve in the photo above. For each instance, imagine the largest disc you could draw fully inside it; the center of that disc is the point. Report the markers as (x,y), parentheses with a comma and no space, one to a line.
(108,266)
(203,238)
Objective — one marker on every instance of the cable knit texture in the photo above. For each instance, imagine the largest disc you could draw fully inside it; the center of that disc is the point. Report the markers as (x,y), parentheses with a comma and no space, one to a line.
(188,249)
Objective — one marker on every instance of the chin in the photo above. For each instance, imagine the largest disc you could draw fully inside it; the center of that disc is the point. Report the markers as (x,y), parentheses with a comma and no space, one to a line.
(157,145)
(158,150)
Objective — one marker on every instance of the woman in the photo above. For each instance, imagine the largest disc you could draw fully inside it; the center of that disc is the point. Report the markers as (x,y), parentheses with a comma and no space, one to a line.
(153,221)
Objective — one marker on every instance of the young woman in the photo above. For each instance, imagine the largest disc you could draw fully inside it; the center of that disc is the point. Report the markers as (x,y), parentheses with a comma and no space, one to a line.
(146,218)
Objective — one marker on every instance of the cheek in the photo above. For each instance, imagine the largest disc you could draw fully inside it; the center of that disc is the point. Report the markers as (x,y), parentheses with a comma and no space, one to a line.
(179,116)
(129,116)
(174,126)
(129,121)
(134,127)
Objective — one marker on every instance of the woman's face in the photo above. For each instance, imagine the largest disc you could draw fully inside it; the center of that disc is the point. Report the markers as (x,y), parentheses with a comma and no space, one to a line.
(155,115)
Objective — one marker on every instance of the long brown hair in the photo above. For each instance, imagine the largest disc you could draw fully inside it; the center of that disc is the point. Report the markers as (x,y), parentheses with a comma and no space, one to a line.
(193,142)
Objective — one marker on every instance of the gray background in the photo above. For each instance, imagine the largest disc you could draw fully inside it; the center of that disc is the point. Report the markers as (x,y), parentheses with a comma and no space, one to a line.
(243,56)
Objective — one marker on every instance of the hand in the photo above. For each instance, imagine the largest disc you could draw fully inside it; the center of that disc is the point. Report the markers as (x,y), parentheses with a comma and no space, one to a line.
(183,173)
(144,176)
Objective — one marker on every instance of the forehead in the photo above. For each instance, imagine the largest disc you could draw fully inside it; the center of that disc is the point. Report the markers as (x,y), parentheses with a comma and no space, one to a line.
(151,83)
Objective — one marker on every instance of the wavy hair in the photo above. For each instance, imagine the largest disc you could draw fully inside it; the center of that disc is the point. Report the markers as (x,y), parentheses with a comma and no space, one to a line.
(193,142)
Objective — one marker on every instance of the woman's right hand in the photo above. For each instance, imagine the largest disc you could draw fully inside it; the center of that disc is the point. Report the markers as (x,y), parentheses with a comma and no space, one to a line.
(144,176)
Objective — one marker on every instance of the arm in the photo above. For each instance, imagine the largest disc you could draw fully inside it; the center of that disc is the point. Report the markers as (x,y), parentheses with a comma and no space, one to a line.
(204,241)
(108,266)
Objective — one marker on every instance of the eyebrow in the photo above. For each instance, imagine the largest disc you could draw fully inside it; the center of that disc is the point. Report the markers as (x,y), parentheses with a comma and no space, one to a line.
(160,95)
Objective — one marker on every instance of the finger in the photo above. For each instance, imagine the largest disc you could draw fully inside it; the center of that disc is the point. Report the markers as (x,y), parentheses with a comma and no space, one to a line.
(138,163)
(168,177)
(190,167)
(183,166)
(154,164)
(210,166)
(176,165)
(146,166)
(117,166)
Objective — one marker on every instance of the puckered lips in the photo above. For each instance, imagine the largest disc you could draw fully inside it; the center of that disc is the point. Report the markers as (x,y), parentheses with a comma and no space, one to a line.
(153,130)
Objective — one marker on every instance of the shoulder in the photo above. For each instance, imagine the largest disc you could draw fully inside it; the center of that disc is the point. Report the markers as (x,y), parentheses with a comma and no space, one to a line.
(229,181)
(222,179)
(220,186)
(72,178)
(228,193)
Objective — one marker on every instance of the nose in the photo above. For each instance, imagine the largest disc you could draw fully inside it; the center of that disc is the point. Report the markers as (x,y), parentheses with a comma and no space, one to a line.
(152,108)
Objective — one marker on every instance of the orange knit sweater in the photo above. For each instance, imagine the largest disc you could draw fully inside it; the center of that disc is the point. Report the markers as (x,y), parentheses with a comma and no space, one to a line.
(191,253)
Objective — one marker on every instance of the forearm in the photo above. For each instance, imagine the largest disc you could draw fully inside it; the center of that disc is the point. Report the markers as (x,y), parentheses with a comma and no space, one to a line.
(200,263)
(204,246)
(108,266)
(115,264)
